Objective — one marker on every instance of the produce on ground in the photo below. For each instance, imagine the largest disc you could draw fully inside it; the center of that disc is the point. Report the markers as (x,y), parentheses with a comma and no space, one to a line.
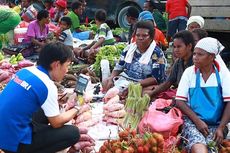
(130,142)
(86,143)
(118,31)
(90,27)
(113,110)
(225,146)
(111,53)
(135,106)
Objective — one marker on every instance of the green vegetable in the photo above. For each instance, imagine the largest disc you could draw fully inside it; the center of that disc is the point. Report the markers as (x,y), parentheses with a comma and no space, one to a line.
(91,27)
(118,31)
(135,106)
(111,53)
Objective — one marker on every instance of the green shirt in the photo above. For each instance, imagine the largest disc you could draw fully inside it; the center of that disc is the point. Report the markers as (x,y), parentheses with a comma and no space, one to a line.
(75,21)
(159,19)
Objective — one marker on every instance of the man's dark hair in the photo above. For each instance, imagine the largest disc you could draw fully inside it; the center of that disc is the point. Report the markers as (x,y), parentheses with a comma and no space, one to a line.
(201,33)
(151,3)
(48,1)
(75,5)
(55,51)
(146,25)
(42,14)
(132,12)
(67,20)
(186,36)
(100,15)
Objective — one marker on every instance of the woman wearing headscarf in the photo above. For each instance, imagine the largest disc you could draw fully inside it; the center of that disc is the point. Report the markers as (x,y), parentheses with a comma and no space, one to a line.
(203,96)
(195,22)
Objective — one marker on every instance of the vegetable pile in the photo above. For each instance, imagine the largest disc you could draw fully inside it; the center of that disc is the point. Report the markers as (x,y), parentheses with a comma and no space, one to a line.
(135,106)
(90,27)
(86,143)
(225,146)
(130,142)
(111,53)
(119,31)
(113,109)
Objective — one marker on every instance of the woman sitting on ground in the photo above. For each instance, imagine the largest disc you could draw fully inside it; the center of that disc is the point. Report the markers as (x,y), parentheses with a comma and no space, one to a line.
(142,61)
(203,96)
(183,43)
(38,30)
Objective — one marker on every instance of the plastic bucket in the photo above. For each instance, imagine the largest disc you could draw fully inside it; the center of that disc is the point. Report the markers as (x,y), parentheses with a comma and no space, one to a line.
(19,35)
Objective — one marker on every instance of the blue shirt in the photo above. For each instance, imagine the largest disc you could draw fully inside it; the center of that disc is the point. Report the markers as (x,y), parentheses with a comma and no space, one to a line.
(137,71)
(29,90)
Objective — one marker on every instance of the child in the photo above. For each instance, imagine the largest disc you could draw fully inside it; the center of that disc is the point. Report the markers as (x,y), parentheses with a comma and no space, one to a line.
(60,10)
(132,18)
(49,7)
(104,36)
(178,16)
(74,15)
(66,35)
(13,4)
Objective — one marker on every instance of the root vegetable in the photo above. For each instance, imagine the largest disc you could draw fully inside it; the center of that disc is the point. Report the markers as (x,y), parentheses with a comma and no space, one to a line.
(84,117)
(88,123)
(111,93)
(114,107)
(82,144)
(113,100)
(117,114)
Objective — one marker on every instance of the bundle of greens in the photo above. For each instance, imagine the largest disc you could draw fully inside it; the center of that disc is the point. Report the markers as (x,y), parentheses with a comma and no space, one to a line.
(90,27)
(135,106)
(118,31)
(109,52)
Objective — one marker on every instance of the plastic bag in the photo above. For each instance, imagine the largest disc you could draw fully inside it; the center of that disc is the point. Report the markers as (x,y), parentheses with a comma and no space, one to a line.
(161,118)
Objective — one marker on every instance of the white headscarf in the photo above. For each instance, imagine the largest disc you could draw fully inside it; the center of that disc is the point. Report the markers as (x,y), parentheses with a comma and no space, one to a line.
(198,19)
(213,46)
(210,45)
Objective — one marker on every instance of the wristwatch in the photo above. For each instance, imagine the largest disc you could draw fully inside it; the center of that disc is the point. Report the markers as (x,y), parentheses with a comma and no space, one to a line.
(77,108)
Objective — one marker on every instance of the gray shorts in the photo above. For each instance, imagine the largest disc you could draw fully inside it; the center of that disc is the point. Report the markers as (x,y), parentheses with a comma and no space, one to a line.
(193,136)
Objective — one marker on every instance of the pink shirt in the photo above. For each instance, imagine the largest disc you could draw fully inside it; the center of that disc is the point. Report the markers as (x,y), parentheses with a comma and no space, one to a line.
(34,31)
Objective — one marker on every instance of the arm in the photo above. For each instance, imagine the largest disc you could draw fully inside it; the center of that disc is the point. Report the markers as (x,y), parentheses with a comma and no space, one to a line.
(189,9)
(61,119)
(161,88)
(108,83)
(98,43)
(185,109)
(218,135)
(36,42)
(148,82)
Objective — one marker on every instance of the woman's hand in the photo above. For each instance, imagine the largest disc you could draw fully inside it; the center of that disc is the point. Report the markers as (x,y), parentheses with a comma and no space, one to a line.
(107,84)
(218,135)
(202,127)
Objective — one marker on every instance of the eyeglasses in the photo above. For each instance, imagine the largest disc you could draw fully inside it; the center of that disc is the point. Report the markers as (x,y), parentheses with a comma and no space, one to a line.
(144,36)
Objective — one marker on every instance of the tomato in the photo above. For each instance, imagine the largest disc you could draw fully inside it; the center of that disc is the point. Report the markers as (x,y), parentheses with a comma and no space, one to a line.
(152,141)
(145,149)
(154,149)
(118,150)
(130,149)
(140,149)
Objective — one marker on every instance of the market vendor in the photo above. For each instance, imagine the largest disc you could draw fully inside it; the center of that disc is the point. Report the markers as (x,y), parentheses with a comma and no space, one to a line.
(183,45)
(142,61)
(29,90)
(104,36)
(203,96)
(38,30)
